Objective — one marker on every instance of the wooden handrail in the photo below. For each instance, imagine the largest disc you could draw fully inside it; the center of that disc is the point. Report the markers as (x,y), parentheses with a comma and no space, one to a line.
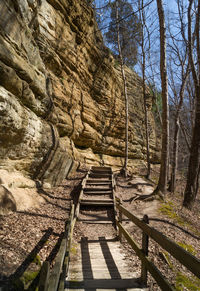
(44,277)
(162,282)
(57,268)
(114,199)
(49,281)
(69,231)
(188,260)
(184,257)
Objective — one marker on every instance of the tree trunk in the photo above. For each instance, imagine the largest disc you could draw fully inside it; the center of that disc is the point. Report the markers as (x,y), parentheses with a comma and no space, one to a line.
(144,94)
(174,154)
(194,162)
(124,170)
(185,135)
(162,183)
(176,133)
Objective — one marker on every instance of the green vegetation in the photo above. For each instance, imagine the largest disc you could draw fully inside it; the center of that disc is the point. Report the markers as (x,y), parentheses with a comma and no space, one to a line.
(29,276)
(37,260)
(116,64)
(129,32)
(25,280)
(188,248)
(167,259)
(168,208)
(183,281)
(73,249)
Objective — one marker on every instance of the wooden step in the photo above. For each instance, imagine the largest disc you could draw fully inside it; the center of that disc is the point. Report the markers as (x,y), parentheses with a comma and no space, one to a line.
(97,202)
(104,284)
(100,265)
(94,189)
(97,193)
(101,169)
(109,184)
(102,181)
(106,183)
(99,175)
(101,172)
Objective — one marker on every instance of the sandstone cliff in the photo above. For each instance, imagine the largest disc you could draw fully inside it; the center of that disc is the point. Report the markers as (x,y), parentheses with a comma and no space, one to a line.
(61,93)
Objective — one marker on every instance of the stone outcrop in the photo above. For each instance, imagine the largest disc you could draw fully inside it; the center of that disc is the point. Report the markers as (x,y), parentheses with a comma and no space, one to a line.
(7,201)
(61,93)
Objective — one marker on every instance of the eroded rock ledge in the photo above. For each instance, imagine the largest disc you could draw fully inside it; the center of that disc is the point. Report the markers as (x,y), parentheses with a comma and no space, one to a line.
(61,93)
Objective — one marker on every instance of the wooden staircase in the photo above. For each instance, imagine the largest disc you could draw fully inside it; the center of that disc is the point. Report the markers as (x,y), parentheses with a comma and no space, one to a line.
(94,259)
(97,188)
(99,263)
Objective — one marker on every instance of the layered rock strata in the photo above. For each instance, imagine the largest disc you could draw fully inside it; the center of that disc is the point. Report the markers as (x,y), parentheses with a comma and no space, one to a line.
(61,95)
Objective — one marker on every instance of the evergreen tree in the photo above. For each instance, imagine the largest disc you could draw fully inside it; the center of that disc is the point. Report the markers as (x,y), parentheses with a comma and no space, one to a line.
(129,32)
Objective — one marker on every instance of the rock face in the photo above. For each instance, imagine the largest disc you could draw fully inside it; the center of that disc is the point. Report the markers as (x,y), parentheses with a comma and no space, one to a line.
(61,93)
(7,201)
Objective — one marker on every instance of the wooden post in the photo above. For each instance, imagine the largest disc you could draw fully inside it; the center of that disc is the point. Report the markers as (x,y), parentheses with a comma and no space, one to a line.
(145,244)
(120,220)
(44,277)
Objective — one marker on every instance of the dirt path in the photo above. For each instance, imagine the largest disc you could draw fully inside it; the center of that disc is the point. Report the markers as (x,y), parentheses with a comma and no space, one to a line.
(29,238)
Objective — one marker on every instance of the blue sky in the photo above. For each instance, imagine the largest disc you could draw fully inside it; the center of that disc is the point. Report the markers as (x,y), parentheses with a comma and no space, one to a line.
(170,8)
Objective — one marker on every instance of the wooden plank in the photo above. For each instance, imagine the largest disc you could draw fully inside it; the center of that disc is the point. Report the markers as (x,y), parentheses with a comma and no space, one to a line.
(90,194)
(56,271)
(101,168)
(44,277)
(97,200)
(57,268)
(96,189)
(84,180)
(69,231)
(104,284)
(115,210)
(113,183)
(99,181)
(93,203)
(188,260)
(145,249)
(98,175)
(162,282)
(101,171)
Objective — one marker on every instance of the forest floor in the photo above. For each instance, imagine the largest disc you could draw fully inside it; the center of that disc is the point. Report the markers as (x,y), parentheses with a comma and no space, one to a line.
(170,218)
(28,238)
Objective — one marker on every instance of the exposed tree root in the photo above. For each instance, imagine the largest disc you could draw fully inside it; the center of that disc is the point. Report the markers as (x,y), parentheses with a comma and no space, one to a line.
(155,195)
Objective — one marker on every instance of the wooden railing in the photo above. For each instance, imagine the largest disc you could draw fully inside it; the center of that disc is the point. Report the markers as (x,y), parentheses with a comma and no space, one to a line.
(185,258)
(54,280)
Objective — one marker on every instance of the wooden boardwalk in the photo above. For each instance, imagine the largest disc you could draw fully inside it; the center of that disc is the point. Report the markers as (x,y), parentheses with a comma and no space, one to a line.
(96,260)
(99,263)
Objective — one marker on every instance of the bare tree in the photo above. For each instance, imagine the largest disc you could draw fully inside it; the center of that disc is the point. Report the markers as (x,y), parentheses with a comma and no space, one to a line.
(162,183)
(194,161)
(124,169)
(143,64)
(179,58)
